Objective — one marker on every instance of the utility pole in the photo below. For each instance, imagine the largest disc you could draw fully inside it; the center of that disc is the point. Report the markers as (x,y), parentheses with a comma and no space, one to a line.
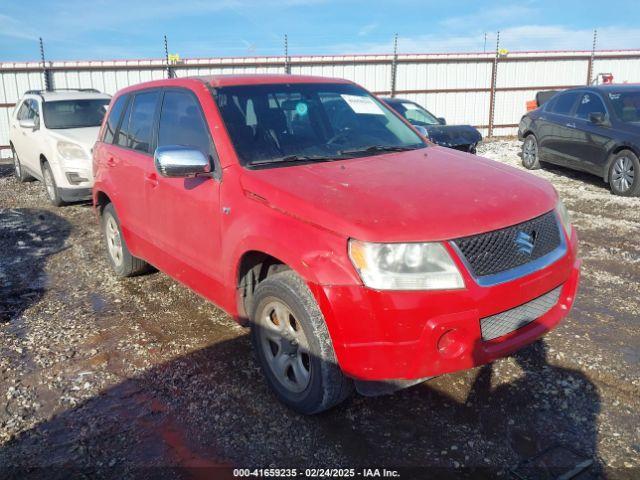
(484,47)
(170,73)
(48,79)
(394,65)
(494,76)
(592,57)
(287,63)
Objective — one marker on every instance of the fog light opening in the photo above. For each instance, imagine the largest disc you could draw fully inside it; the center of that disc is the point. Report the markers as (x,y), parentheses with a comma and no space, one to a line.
(75,178)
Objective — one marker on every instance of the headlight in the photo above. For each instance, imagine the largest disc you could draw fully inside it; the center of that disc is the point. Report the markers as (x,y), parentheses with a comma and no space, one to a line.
(405,266)
(565,218)
(71,151)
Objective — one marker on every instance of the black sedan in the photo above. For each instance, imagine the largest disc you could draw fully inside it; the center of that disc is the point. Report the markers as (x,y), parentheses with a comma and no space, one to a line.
(593,129)
(460,137)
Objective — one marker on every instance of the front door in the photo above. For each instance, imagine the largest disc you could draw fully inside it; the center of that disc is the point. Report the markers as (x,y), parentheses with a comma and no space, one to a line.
(184,213)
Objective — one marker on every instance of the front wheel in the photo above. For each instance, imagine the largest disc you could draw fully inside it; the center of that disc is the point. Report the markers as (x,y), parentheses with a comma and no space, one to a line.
(293,346)
(124,264)
(624,174)
(50,186)
(530,154)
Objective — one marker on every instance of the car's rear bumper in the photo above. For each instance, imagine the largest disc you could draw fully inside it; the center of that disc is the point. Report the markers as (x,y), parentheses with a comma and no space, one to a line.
(410,335)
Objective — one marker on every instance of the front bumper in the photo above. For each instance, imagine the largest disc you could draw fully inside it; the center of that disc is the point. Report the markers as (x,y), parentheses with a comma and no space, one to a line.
(74,194)
(383,335)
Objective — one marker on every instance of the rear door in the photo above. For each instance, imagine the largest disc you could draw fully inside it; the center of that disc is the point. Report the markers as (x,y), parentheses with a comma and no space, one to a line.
(130,162)
(184,213)
(557,128)
(592,140)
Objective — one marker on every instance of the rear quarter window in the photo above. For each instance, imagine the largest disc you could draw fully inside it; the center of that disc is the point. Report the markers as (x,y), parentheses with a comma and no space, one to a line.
(113,119)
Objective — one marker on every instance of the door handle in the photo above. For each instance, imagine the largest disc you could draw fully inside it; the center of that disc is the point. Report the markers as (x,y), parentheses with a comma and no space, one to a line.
(571,125)
(151,179)
(111,162)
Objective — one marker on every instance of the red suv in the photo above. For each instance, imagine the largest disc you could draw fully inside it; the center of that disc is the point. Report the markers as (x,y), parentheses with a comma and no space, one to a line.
(359,253)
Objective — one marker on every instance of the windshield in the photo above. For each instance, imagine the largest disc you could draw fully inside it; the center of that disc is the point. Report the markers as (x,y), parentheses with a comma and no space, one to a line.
(74,113)
(309,122)
(626,105)
(415,114)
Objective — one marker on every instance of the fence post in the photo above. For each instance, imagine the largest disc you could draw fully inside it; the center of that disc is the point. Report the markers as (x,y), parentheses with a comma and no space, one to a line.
(394,65)
(492,94)
(591,58)
(48,79)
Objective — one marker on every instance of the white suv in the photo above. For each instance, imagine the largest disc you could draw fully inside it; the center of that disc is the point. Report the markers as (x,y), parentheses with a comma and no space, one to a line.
(51,136)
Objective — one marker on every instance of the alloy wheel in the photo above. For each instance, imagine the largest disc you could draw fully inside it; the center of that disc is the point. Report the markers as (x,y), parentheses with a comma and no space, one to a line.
(623,174)
(285,346)
(114,242)
(49,184)
(530,152)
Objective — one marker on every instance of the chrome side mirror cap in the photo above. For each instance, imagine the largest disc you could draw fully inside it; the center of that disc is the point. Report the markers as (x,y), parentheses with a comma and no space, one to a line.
(176,161)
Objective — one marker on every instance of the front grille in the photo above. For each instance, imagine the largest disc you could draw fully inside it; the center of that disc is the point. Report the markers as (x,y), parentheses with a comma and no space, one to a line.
(498,325)
(498,251)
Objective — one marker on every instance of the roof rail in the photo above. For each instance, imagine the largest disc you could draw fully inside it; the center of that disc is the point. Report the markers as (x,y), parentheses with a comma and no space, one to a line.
(40,92)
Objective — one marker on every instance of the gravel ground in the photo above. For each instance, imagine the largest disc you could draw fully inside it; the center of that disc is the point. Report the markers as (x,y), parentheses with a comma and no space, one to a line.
(131,377)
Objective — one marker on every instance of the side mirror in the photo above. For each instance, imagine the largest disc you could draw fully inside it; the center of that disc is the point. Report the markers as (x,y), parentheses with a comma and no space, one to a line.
(29,123)
(442,121)
(597,117)
(423,131)
(178,161)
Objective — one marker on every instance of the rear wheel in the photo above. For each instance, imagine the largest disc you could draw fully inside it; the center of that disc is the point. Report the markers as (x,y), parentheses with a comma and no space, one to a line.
(624,174)
(293,346)
(123,263)
(18,171)
(50,185)
(530,156)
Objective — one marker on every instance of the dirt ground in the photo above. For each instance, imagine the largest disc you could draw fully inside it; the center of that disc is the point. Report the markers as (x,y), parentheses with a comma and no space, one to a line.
(142,378)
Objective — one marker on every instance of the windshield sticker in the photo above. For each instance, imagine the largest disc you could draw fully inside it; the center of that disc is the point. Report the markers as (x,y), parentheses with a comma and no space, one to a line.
(362,104)
(614,96)
(410,106)
(301,108)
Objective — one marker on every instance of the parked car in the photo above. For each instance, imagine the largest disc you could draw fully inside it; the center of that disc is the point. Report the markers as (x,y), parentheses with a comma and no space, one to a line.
(51,136)
(593,129)
(307,210)
(460,137)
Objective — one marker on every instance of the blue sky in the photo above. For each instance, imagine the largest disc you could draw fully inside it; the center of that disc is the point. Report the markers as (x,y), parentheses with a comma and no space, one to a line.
(103,29)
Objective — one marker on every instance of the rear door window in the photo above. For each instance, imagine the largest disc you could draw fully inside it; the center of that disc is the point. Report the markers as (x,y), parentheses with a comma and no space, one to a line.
(590,103)
(563,103)
(182,122)
(141,120)
(113,119)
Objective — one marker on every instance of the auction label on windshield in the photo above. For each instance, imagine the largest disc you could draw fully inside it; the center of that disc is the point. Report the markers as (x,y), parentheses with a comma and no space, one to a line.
(361,104)
(314,473)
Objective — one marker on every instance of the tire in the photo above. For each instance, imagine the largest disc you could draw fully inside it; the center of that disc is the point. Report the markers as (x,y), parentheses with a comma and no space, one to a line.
(18,170)
(50,187)
(303,373)
(624,174)
(530,155)
(123,263)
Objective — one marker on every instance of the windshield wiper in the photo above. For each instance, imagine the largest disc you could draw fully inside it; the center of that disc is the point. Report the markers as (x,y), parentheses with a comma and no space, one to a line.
(295,158)
(378,148)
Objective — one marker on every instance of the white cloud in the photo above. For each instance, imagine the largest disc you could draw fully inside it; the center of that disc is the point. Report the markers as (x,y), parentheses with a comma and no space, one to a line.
(367,29)
(12,27)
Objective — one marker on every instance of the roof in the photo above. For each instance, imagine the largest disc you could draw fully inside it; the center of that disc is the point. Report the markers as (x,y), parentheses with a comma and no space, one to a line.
(617,87)
(67,95)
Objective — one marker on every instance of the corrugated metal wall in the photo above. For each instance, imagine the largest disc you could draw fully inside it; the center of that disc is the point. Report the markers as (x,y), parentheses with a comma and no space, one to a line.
(456,86)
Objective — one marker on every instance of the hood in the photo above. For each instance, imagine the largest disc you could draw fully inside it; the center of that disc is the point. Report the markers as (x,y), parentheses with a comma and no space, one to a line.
(422,195)
(85,137)
(453,135)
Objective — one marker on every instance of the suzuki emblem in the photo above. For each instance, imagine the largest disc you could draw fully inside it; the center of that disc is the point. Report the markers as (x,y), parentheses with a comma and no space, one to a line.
(525,242)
